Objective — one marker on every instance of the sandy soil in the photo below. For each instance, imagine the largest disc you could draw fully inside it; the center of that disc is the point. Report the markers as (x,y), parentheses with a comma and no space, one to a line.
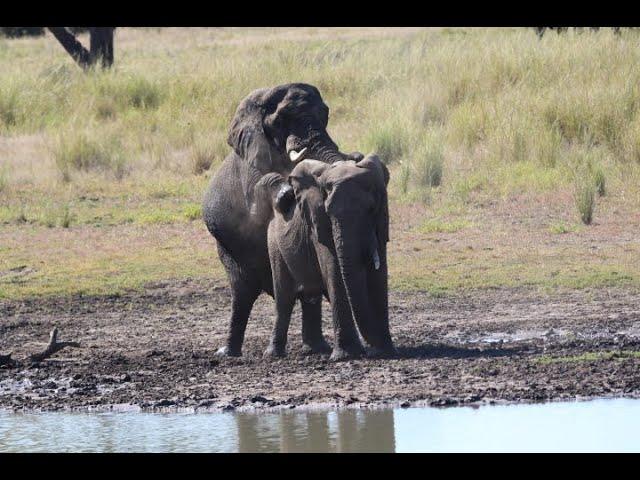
(155,351)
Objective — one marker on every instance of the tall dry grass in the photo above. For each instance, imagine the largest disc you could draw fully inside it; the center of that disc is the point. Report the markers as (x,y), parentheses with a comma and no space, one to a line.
(461,111)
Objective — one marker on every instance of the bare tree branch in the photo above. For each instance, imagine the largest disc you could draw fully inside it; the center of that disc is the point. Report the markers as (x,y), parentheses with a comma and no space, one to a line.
(53,347)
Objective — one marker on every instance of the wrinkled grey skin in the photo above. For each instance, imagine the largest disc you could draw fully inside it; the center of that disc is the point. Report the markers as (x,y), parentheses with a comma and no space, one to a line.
(328,237)
(268,124)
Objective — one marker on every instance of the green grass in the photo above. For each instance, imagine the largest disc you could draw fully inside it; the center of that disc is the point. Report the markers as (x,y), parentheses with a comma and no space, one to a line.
(389,141)
(590,357)
(561,228)
(4,180)
(77,152)
(585,198)
(77,261)
(468,121)
(440,226)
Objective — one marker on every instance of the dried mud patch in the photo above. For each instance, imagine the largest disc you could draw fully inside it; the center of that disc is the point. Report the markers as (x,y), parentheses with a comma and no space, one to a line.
(155,351)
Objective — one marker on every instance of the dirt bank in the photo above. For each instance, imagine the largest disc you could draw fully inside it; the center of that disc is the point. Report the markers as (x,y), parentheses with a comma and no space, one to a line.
(155,350)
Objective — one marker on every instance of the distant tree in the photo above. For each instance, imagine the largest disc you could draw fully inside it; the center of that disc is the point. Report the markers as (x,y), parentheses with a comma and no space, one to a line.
(540,30)
(100,45)
(14,32)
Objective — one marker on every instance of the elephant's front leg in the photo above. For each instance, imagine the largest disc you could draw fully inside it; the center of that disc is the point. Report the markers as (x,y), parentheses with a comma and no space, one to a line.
(245,291)
(284,293)
(347,343)
(312,338)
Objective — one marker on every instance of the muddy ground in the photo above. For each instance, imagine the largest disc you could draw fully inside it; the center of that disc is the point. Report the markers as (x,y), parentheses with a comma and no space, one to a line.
(155,350)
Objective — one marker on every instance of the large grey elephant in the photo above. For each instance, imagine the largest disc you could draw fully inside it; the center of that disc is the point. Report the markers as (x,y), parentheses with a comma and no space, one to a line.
(273,128)
(328,236)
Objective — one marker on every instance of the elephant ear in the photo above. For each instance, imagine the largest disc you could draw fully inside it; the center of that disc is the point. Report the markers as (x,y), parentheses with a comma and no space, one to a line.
(266,194)
(306,178)
(248,139)
(381,177)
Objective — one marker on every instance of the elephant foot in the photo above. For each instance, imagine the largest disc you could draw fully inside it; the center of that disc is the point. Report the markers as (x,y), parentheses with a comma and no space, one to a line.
(321,347)
(342,354)
(385,352)
(273,352)
(224,352)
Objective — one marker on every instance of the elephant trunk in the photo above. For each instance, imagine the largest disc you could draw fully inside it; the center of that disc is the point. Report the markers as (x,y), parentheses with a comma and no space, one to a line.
(314,143)
(354,276)
(377,286)
(326,151)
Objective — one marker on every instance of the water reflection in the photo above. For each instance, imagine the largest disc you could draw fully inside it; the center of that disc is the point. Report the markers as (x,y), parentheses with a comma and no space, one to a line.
(345,431)
(594,426)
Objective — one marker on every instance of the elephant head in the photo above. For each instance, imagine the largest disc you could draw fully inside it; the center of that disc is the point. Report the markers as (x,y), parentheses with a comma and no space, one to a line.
(355,200)
(274,128)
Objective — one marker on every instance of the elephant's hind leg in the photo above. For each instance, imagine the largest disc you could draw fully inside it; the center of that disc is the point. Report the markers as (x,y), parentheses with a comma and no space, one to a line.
(312,339)
(245,290)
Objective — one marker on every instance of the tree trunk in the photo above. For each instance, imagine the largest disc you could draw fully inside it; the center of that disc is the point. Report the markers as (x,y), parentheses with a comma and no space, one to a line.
(101,46)
(71,45)
(100,49)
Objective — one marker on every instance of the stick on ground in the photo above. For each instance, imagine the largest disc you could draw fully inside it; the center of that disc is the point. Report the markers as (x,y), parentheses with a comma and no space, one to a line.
(6,359)
(53,347)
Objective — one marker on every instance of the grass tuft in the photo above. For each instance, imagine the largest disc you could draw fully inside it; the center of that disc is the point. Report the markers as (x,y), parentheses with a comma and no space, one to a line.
(67,217)
(4,178)
(561,228)
(618,355)
(389,141)
(585,198)
(599,180)
(81,153)
(193,212)
(428,163)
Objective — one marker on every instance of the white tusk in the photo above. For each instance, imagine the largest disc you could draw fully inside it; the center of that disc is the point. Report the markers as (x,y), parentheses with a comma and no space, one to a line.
(376,259)
(294,156)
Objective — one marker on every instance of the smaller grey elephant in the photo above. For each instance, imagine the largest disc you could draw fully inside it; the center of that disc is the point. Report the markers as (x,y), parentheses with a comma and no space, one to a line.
(306,264)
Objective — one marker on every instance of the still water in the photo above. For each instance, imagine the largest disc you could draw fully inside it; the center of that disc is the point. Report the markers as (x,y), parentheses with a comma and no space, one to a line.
(599,425)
